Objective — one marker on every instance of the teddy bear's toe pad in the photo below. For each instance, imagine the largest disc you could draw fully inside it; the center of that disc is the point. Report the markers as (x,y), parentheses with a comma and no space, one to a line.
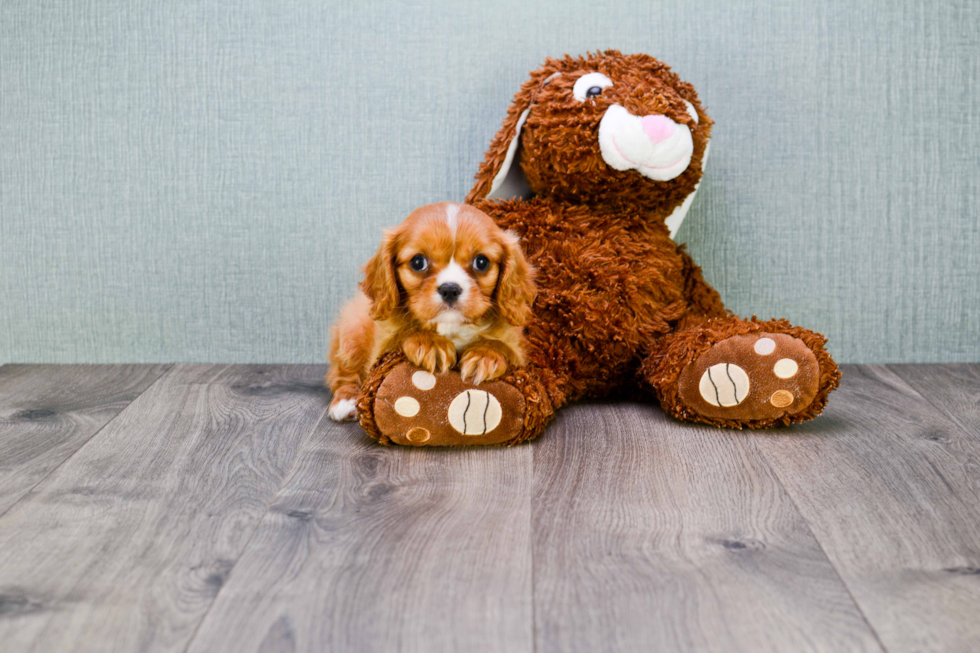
(751,377)
(416,408)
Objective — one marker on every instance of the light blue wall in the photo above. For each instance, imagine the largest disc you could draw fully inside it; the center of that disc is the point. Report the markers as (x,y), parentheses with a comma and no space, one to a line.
(189,181)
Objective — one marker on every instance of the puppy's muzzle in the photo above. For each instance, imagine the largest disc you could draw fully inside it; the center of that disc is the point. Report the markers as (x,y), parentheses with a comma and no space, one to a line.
(450,292)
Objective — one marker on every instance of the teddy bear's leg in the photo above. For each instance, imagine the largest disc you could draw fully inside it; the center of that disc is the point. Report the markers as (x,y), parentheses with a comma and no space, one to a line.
(742,373)
(401,404)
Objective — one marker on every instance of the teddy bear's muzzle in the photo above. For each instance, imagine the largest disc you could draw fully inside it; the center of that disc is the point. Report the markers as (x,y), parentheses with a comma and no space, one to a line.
(655,146)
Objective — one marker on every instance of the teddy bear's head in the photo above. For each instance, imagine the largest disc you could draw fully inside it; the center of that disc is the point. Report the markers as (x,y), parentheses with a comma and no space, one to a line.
(603,129)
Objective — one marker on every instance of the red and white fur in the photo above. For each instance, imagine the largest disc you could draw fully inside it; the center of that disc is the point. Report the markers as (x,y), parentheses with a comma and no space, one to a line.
(467,304)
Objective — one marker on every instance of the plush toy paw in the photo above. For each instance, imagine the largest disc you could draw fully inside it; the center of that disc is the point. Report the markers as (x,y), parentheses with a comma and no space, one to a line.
(755,376)
(430,351)
(417,408)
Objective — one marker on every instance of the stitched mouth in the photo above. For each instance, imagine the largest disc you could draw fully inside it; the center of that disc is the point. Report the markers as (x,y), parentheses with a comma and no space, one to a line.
(643,165)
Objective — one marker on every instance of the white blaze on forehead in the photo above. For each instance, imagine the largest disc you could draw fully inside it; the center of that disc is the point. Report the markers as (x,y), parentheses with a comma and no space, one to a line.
(454,273)
(452,216)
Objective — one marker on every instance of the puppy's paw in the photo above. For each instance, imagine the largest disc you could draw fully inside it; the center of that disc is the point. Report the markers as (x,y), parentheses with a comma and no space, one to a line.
(342,410)
(430,351)
(482,363)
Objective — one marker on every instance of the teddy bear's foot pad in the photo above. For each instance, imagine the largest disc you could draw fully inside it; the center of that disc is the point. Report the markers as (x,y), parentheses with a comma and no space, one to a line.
(416,408)
(751,377)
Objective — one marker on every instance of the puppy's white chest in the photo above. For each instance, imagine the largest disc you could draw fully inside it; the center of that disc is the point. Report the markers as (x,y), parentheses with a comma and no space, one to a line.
(461,335)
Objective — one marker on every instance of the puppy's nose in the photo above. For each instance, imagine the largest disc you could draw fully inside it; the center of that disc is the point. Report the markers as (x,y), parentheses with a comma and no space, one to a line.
(450,292)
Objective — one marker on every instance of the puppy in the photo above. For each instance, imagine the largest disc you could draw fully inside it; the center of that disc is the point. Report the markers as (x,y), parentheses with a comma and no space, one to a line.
(446,285)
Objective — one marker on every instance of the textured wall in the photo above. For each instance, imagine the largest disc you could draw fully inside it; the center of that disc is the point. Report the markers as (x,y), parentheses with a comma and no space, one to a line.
(199,181)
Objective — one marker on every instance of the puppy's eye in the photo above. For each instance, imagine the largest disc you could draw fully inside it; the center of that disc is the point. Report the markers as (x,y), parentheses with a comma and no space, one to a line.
(590,85)
(419,263)
(481,263)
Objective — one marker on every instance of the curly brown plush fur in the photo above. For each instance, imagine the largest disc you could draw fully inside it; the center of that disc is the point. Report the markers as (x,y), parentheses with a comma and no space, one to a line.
(620,306)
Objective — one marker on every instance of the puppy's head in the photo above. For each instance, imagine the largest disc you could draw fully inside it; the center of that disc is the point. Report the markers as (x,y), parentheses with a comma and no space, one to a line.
(450,264)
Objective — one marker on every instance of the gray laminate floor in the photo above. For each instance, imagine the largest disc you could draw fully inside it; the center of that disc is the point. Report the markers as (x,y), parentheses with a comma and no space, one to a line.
(216,508)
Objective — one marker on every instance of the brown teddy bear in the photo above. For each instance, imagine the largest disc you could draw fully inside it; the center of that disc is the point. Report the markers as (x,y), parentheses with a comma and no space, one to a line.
(595,166)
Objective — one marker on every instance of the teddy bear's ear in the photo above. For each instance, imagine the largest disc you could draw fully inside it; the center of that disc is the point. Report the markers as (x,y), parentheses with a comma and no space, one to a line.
(500,175)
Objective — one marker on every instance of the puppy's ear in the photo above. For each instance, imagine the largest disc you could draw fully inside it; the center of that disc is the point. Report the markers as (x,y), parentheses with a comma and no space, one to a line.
(380,284)
(500,175)
(515,287)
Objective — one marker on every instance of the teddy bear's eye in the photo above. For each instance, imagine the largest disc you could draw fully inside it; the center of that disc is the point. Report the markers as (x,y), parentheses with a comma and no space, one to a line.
(481,263)
(590,85)
(419,263)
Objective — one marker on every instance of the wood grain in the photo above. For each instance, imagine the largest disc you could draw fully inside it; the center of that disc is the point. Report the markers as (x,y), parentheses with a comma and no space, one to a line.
(379,549)
(953,389)
(221,511)
(125,546)
(47,412)
(651,535)
(890,487)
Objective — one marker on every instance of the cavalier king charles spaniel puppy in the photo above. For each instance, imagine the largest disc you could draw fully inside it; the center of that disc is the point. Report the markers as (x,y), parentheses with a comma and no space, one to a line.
(446,286)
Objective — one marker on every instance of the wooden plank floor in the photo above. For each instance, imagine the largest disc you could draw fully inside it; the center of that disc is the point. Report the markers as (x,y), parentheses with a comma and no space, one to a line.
(215,508)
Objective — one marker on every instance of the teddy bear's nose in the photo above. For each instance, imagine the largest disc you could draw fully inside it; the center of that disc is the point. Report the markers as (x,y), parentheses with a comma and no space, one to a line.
(658,128)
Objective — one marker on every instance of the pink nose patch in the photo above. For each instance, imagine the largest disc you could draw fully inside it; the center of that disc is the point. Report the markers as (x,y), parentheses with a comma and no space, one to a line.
(658,128)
